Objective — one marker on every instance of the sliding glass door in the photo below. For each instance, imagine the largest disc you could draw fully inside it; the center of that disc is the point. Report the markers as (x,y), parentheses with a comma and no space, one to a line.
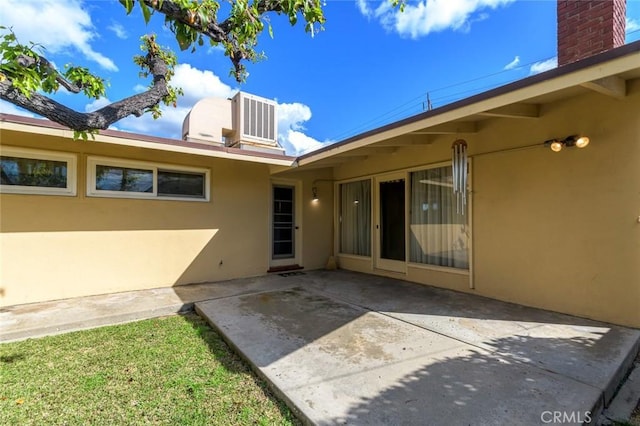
(390,223)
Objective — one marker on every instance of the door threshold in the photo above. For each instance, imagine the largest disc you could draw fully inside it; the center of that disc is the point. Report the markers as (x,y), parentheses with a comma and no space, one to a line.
(285,268)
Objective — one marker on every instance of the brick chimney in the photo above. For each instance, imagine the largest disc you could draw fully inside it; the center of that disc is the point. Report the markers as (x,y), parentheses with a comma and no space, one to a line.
(588,27)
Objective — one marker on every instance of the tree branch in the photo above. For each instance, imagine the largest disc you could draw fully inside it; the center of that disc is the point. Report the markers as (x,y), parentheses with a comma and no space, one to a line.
(217,32)
(174,12)
(100,119)
(28,62)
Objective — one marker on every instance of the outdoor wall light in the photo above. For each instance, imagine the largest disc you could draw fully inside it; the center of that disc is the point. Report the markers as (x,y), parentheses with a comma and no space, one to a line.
(575,140)
(556,145)
(314,188)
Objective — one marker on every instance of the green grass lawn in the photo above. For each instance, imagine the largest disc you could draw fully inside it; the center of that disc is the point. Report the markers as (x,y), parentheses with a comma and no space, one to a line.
(172,370)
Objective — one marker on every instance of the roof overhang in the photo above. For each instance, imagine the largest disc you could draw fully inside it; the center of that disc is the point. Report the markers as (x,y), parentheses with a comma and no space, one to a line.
(606,73)
(45,127)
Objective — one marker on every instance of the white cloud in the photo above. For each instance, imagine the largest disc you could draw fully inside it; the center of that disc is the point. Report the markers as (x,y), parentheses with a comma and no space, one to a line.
(632,25)
(198,84)
(118,30)
(218,48)
(58,25)
(513,64)
(9,108)
(291,119)
(364,8)
(292,116)
(297,143)
(96,104)
(543,66)
(429,16)
(167,126)
(139,88)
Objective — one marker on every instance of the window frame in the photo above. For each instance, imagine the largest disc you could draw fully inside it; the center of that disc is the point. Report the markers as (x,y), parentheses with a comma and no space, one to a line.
(70,159)
(408,170)
(94,161)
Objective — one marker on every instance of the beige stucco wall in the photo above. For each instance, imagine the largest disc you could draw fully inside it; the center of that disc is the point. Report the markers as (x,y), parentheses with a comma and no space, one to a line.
(54,247)
(317,216)
(558,231)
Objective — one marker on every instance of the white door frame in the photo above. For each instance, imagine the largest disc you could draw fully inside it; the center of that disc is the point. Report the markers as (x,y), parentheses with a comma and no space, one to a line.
(381,263)
(297,213)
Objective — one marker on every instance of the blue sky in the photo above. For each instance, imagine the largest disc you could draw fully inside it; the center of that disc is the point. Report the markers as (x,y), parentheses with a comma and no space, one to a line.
(370,66)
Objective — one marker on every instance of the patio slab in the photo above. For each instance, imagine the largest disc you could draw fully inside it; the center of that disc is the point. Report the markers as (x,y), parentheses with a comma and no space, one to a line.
(343,347)
(549,340)
(21,322)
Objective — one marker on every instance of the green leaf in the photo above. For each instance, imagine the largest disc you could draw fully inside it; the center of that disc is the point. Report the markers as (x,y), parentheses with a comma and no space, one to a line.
(128,5)
(146,13)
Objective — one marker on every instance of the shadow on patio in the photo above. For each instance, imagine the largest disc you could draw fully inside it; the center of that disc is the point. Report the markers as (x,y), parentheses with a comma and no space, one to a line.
(344,347)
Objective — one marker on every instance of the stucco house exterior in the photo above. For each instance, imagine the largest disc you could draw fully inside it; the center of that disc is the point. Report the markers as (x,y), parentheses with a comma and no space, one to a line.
(558,230)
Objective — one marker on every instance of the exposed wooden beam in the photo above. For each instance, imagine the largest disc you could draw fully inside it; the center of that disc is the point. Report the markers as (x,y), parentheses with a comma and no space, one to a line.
(376,150)
(341,158)
(318,165)
(449,129)
(406,140)
(353,154)
(611,86)
(514,111)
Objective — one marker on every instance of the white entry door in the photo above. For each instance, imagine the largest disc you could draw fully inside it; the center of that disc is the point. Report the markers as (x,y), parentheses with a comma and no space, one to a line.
(285,224)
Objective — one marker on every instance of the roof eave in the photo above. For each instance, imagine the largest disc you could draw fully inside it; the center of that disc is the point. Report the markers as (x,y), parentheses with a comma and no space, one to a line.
(612,62)
(116,137)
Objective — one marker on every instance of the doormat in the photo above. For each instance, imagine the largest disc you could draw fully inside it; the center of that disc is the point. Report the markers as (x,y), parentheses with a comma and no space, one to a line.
(288,274)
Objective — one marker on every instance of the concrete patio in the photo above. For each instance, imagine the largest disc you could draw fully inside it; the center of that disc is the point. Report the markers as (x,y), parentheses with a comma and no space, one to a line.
(342,347)
(348,348)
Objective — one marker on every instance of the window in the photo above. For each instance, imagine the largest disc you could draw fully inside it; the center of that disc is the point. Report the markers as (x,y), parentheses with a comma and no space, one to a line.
(31,171)
(173,183)
(125,179)
(439,228)
(109,177)
(355,218)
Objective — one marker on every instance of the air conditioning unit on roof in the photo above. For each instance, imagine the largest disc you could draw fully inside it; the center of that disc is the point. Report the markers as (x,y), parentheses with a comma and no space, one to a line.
(245,121)
(255,120)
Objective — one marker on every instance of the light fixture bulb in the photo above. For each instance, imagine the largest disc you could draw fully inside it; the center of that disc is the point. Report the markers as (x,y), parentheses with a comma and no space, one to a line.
(582,142)
(556,146)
